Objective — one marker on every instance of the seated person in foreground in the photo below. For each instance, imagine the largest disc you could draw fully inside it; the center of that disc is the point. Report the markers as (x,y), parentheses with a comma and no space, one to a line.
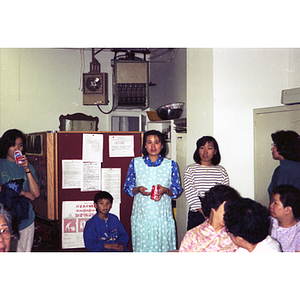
(211,236)
(5,229)
(285,211)
(104,232)
(247,223)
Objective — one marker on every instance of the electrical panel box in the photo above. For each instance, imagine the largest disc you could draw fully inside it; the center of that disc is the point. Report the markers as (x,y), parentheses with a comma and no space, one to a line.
(291,96)
(130,83)
(95,88)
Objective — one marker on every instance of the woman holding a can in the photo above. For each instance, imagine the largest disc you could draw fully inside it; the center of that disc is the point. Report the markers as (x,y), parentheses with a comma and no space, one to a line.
(152,222)
(13,140)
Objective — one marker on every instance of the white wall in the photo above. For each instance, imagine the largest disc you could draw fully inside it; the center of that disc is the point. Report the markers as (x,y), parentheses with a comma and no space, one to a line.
(169,76)
(38,85)
(223,88)
(245,79)
(199,97)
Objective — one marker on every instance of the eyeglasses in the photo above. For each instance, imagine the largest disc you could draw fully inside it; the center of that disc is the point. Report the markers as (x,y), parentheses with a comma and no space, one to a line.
(273,145)
(5,233)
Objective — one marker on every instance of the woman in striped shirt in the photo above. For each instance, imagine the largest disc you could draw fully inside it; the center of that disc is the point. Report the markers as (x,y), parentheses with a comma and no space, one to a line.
(200,176)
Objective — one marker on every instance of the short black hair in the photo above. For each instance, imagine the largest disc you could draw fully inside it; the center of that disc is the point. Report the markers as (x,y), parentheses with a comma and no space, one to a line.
(8,139)
(287,144)
(103,195)
(201,142)
(289,196)
(216,195)
(160,137)
(248,219)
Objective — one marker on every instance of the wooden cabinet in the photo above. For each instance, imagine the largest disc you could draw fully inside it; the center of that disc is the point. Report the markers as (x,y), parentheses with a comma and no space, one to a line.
(42,155)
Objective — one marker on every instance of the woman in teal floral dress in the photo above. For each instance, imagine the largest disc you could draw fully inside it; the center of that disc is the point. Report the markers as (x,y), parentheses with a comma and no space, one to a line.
(152,222)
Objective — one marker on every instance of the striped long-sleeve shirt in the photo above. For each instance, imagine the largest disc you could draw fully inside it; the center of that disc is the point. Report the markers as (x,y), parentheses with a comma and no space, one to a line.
(198,179)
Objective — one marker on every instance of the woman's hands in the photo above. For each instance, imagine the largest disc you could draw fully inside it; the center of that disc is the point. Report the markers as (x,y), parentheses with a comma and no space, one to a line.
(34,188)
(23,162)
(28,195)
(142,190)
(162,190)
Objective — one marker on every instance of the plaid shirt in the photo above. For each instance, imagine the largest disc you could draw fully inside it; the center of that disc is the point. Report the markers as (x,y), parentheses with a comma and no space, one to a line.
(203,238)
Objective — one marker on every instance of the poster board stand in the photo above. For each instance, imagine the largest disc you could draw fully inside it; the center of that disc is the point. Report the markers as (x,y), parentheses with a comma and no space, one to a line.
(70,147)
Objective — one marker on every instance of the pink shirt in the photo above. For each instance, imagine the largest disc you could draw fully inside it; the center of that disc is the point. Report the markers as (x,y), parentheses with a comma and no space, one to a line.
(203,238)
(289,238)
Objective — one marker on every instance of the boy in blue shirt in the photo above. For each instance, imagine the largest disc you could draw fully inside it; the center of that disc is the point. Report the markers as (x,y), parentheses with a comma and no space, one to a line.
(104,232)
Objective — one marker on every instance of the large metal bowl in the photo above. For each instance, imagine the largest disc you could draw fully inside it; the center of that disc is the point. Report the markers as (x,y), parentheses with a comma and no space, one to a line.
(170,111)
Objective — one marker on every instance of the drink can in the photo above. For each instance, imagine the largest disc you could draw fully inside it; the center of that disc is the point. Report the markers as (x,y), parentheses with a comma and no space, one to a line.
(154,192)
(18,155)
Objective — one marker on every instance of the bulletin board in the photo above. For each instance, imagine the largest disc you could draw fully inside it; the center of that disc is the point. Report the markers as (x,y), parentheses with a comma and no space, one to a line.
(70,147)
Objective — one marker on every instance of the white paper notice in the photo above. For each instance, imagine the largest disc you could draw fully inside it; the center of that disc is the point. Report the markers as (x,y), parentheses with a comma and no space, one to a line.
(92,148)
(115,209)
(121,146)
(91,176)
(111,182)
(72,171)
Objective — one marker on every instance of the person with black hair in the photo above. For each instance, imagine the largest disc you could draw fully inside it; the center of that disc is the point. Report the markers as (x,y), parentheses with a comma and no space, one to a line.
(285,213)
(152,222)
(200,176)
(104,232)
(247,223)
(211,236)
(286,149)
(11,141)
